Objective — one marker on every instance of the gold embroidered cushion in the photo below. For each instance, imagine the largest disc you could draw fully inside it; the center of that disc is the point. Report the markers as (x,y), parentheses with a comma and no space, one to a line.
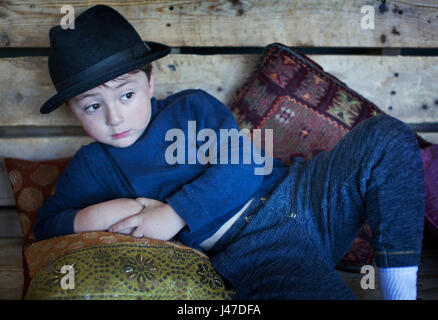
(102,265)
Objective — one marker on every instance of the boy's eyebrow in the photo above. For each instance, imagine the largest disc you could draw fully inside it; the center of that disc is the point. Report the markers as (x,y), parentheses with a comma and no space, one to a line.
(86,95)
(116,87)
(123,83)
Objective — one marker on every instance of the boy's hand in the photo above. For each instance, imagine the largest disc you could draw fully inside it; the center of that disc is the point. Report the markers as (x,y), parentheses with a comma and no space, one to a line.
(101,216)
(157,220)
(146,203)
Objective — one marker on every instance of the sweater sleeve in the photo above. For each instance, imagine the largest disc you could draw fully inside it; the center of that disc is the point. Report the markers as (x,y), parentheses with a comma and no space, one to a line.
(76,188)
(223,188)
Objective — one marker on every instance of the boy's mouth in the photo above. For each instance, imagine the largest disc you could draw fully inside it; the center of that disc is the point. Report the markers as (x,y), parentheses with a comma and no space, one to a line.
(121,134)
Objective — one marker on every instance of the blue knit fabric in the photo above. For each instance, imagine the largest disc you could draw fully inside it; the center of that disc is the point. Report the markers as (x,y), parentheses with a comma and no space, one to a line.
(204,195)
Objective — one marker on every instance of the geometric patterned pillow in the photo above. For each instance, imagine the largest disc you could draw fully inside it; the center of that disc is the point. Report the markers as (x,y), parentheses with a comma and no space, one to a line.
(309,111)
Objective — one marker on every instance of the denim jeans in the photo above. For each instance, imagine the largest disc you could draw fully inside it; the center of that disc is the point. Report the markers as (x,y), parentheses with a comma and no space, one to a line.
(286,245)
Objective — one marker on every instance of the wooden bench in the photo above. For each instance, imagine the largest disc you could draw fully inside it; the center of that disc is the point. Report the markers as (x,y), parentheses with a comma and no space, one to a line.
(215,47)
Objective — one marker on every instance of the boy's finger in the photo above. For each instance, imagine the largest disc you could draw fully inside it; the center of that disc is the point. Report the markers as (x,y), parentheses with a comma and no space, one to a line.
(148,202)
(129,222)
(126,231)
(137,233)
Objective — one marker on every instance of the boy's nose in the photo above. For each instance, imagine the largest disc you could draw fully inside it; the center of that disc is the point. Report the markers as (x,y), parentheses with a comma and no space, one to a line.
(113,117)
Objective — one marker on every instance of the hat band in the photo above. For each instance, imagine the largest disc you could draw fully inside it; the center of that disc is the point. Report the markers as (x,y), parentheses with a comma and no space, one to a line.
(134,52)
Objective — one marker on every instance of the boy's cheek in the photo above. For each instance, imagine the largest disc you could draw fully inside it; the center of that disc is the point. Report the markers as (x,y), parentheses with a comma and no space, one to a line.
(95,130)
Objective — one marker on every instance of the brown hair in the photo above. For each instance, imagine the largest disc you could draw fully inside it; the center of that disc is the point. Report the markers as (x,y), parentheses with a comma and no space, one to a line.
(147,68)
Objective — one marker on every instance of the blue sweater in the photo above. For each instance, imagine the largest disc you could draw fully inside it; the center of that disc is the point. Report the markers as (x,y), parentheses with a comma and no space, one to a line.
(204,195)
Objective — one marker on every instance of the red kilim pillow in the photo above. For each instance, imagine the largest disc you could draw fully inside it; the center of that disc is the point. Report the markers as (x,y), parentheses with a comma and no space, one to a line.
(309,111)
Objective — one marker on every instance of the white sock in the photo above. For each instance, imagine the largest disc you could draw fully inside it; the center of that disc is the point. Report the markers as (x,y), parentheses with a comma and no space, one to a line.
(398,283)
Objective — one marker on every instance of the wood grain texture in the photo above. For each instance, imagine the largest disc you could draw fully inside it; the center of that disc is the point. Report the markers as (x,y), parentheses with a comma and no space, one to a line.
(10,223)
(11,283)
(336,23)
(404,87)
(11,268)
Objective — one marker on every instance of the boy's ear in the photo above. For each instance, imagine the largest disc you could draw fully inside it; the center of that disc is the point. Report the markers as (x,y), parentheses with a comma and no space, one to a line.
(152,83)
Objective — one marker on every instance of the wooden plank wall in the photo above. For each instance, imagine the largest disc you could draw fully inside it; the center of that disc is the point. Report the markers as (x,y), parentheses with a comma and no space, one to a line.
(233,33)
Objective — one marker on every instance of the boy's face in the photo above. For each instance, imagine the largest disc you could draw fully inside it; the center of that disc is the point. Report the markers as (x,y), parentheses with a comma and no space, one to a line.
(122,105)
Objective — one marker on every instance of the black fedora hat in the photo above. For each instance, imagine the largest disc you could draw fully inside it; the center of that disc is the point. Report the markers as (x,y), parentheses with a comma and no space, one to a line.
(102,46)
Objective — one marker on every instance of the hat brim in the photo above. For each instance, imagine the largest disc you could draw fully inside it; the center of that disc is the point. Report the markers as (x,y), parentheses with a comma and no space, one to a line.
(158,50)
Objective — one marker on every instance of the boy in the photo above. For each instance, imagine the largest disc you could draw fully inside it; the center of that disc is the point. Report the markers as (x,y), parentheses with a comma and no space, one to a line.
(277,235)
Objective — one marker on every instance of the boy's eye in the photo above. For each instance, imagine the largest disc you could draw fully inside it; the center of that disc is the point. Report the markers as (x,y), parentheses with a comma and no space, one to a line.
(92,107)
(127,96)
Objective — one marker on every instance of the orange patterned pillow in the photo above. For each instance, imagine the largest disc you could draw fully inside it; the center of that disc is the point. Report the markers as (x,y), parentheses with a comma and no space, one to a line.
(32,182)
